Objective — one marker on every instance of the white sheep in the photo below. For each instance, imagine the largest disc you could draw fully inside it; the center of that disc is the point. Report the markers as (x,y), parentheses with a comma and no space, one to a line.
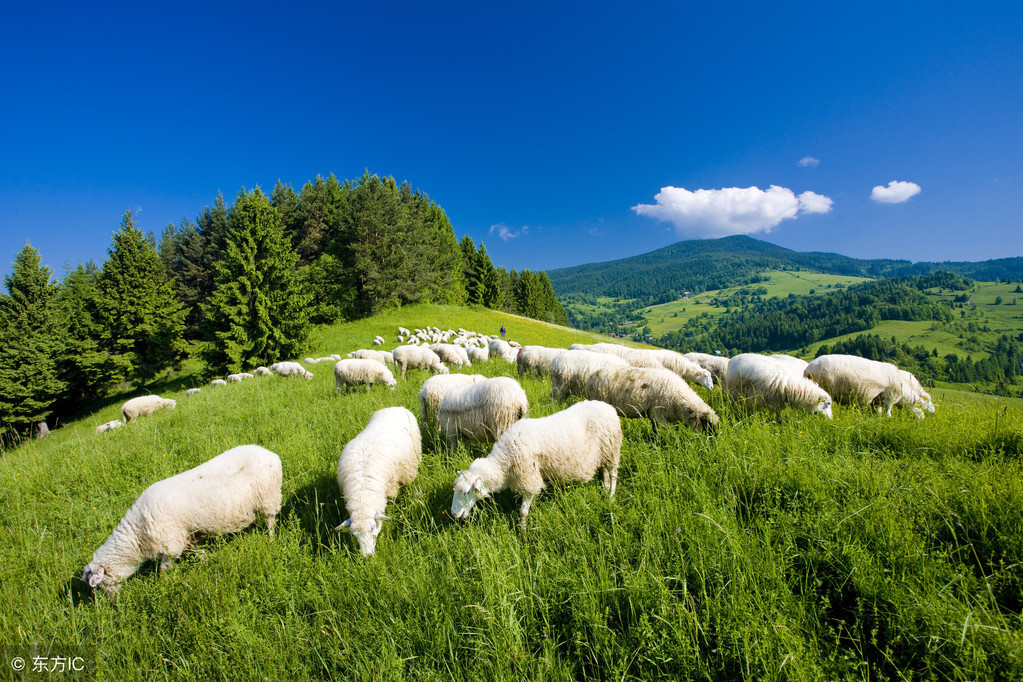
(451,354)
(477,353)
(219,496)
(793,364)
(502,349)
(290,369)
(404,332)
(652,392)
(717,365)
(143,405)
(384,356)
(854,380)
(358,372)
(431,393)
(682,366)
(571,369)
(482,411)
(193,391)
(382,458)
(218,382)
(417,357)
(103,428)
(536,360)
(570,445)
(760,381)
(378,341)
(311,361)
(237,378)
(262,371)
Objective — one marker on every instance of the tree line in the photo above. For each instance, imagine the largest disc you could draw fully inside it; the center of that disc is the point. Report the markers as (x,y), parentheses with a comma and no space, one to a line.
(237,287)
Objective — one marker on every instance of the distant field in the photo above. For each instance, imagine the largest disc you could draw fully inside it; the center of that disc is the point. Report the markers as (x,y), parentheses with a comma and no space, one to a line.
(915,333)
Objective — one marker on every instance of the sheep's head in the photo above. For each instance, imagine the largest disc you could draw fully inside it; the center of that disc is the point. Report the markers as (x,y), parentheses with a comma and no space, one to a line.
(469,490)
(96,576)
(391,382)
(365,531)
(824,407)
(706,380)
(170,404)
(440,368)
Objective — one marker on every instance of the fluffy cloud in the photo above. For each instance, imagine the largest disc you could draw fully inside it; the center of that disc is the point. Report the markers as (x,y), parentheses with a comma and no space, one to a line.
(708,213)
(895,193)
(506,233)
(808,162)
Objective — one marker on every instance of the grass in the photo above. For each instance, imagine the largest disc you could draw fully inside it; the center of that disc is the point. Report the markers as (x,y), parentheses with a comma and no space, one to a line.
(858,548)
(913,332)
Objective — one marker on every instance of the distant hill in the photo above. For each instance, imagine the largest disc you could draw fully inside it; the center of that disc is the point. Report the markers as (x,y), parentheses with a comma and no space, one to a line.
(702,264)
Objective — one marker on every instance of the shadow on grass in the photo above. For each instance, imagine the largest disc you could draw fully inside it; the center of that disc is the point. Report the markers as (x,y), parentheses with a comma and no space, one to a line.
(319,509)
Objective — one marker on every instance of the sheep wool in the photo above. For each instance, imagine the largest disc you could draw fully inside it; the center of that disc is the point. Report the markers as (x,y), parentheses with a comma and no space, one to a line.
(358,372)
(417,357)
(222,495)
(477,353)
(103,428)
(143,405)
(433,390)
(290,369)
(451,354)
(373,466)
(570,445)
(717,365)
(762,382)
(853,380)
(482,411)
(382,356)
(655,393)
(571,369)
(193,391)
(503,350)
(536,360)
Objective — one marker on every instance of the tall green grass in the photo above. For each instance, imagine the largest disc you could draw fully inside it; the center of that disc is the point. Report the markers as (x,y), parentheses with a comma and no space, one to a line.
(858,548)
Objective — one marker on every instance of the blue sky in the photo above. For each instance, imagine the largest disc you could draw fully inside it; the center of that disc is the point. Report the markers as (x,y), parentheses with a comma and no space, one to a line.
(556,133)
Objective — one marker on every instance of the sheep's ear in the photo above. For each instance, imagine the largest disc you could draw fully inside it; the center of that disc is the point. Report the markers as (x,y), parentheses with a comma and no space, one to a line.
(381,517)
(478,485)
(96,577)
(345,525)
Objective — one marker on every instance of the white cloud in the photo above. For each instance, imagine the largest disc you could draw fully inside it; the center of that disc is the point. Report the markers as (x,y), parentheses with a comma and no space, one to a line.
(730,210)
(506,233)
(808,162)
(895,193)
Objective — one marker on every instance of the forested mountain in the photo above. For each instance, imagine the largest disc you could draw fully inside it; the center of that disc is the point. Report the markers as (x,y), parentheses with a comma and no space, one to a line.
(703,264)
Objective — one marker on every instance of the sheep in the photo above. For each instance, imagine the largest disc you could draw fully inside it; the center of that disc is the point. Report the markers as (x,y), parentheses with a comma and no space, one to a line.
(358,372)
(236,378)
(452,354)
(378,341)
(570,445)
(290,369)
(656,393)
(536,360)
(262,371)
(482,411)
(103,428)
(219,496)
(218,382)
(501,349)
(761,381)
(333,356)
(383,356)
(795,365)
(477,354)
(571,369)
(193,391)
(311,361)
(717,365)
(433,389)
(417,357)
(683,367)
(143,405)
(855,380)
(383,457)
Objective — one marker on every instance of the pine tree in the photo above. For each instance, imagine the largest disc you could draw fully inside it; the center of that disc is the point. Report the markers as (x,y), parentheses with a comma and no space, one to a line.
(142,321)
(84,363)
(489,287)
(33,343)
(473,292)
(258,312)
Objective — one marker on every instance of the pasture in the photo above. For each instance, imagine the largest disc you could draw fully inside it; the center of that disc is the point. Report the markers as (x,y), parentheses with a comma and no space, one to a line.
(858,548)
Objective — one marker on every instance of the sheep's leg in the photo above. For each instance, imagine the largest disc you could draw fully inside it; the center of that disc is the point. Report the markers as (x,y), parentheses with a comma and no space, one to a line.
(527,501)
(165,562)
(271,522)
(610,480)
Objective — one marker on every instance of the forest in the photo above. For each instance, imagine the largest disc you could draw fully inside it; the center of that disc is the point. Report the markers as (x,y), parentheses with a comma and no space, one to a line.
(236,287)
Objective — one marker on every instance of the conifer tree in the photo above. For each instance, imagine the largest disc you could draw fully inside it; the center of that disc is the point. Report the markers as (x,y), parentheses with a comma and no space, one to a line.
(84,363)
(32,343)
(257,313)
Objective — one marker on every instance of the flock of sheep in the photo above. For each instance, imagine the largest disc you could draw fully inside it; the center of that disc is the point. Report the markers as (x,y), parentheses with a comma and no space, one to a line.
(226,493)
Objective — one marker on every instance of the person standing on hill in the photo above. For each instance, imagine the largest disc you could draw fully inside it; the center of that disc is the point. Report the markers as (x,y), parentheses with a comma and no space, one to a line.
(503,330)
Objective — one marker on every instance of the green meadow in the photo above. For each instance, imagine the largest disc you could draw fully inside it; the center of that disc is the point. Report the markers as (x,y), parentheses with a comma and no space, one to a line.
(860,548)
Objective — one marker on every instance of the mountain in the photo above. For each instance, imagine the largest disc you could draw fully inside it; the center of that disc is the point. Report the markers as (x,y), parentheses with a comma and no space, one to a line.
(702,264)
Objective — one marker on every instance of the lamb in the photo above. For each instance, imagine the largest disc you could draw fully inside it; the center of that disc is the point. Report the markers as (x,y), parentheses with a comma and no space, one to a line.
(761,381)
(482,411)
(501,349)
(219,496)
(382,458)
(262,371)
(452,354)
(656,393)
(570,445)
(477,354)
(143,405)
(717,365)
(218,382)
(536,360)
(854,380)
(193,391)
(433,389)
(358,372)
(417,357)
(571,369)
(290,369)
(383,356)
(103,428)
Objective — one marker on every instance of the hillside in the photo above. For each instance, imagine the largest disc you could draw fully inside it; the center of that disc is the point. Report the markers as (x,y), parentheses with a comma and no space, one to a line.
(792,549)
(703,264)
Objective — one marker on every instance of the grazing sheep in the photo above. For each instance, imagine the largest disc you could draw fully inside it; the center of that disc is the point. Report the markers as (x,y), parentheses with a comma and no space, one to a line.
(683,367)
(143,405)
(404,332)
(219,496)
(451,354)
(193,391)
(853,380)
(433,389)
(503,350)
(382,458)
(378,341)
(311,361)
(761,381)
(717,365)
(477,354)
(103,428)
(536,360)
(570,445)
(482,411)
(795,365)
(571,369)
(290,369)
(655,393)
(237,378)
(218,382)
(358,372)
(417,357)
(383,356)
(262,372)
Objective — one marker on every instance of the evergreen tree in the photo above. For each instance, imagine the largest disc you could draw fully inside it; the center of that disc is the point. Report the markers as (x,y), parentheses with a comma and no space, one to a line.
(473,292)
(142,320)
(489,286)
(84,363)
(191,282)
(257,314)
(33,343)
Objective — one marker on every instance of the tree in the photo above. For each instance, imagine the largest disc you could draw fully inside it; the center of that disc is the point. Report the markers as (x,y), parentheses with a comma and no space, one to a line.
(142,320)
(257,313)
(84,363)
(33,343)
